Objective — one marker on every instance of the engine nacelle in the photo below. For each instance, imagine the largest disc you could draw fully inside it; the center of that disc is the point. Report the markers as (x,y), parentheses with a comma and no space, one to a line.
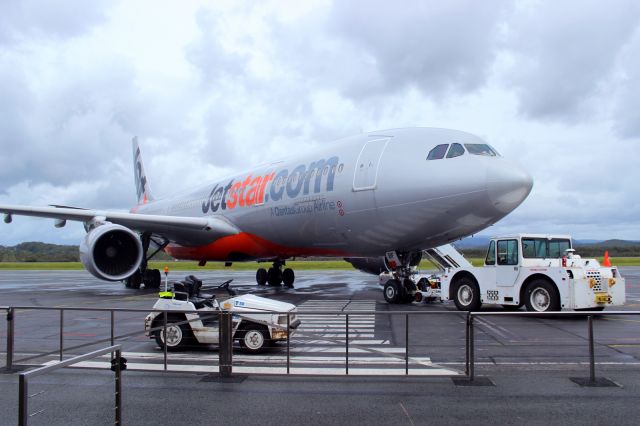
(111,252)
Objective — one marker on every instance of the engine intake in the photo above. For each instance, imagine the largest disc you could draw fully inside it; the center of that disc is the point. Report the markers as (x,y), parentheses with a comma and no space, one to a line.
(111,252)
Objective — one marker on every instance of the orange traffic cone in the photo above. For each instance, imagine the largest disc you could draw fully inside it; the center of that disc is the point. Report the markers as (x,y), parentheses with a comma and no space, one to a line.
(606,262)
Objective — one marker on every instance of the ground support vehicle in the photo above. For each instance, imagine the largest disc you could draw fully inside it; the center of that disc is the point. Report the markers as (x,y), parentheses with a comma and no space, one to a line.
(541,272)
(254,325)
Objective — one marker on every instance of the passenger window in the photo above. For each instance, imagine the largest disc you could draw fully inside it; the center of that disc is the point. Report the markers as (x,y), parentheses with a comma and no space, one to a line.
(438,152)
(491,254)
(480,149)
(508,252)
(456,150)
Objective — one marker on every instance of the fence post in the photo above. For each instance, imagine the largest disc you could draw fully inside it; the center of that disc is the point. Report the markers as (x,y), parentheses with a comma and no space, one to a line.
(23,400)
(406,344)
(113,326)
(118,401)
(164,339)
(466,345)
(346,344)
(10,330)
(288,340)
(592,361)
(226,345)
(471,349)
(61,332)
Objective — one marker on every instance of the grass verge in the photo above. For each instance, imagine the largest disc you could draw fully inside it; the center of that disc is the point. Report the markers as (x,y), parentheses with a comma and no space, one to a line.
(297,265)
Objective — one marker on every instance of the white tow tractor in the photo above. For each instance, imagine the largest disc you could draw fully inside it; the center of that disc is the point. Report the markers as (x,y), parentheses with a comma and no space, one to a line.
(254,323)
(541,272)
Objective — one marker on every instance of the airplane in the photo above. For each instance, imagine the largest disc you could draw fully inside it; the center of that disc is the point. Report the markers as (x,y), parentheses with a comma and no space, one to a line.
(396,191)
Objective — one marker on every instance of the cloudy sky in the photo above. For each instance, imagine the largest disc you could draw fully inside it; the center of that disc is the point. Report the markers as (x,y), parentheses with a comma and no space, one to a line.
(212,87)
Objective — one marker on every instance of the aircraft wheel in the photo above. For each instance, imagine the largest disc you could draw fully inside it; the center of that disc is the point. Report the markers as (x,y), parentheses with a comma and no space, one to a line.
(153,278)
(274,277)
(288,277)
(261,276)
(409,291)
(541,296)
(178,335)
(392,293)
(254,339)
(134,280)
(466,294)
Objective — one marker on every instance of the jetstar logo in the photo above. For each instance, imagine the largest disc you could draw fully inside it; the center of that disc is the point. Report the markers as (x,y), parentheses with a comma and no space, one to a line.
(283,185)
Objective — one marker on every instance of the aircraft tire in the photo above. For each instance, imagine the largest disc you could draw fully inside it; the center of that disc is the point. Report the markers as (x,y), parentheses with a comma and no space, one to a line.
(392,293)
(288,277)
(261,276)
(153,278)
(274,277)
(466,294)
(409,291)
(134,280)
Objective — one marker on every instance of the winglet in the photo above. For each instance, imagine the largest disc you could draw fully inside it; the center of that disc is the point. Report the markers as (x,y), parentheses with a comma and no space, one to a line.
(142,185)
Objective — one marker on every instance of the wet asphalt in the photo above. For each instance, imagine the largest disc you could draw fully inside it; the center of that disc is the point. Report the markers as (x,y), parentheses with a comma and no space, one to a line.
(529,360)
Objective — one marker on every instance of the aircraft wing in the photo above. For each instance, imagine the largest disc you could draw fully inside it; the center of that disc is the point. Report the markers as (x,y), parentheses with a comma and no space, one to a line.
(175,228)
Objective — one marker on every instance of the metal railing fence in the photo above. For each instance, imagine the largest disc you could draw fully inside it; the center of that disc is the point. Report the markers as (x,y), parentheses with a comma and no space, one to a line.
(470,344)
(225,363)
(225,358)
(23,384)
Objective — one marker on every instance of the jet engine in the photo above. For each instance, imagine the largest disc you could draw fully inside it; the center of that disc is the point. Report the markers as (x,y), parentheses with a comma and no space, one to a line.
(111,252)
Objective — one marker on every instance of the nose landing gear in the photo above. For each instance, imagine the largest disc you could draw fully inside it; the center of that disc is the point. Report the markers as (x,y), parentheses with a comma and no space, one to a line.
(275,275)
(401,288)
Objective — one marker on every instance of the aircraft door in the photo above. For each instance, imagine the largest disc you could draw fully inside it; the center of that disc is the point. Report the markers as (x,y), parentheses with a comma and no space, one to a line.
(366,170)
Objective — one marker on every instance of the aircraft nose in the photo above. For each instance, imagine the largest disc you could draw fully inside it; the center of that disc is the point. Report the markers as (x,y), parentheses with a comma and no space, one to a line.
(508,184)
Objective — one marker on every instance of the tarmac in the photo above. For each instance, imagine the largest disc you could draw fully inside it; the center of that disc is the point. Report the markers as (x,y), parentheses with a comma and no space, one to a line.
(529,362)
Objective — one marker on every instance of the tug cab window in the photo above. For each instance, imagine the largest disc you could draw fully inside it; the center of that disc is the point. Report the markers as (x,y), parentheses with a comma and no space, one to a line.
(456,150)
(508,252)
(543,248)
(481,149)
(438,152)
(491,254)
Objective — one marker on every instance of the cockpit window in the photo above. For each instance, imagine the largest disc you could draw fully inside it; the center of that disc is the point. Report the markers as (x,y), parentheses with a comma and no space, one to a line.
(438,152)
(480,149)
(456,150)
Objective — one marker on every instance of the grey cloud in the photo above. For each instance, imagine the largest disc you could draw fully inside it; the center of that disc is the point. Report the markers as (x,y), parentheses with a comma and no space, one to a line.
(438,47)
(565,53)
(67,18)
(208,55)
(626,111)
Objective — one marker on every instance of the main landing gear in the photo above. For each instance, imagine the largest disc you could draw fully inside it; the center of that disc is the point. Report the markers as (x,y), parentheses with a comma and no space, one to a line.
(151,278)
(401,288)
(275,275)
